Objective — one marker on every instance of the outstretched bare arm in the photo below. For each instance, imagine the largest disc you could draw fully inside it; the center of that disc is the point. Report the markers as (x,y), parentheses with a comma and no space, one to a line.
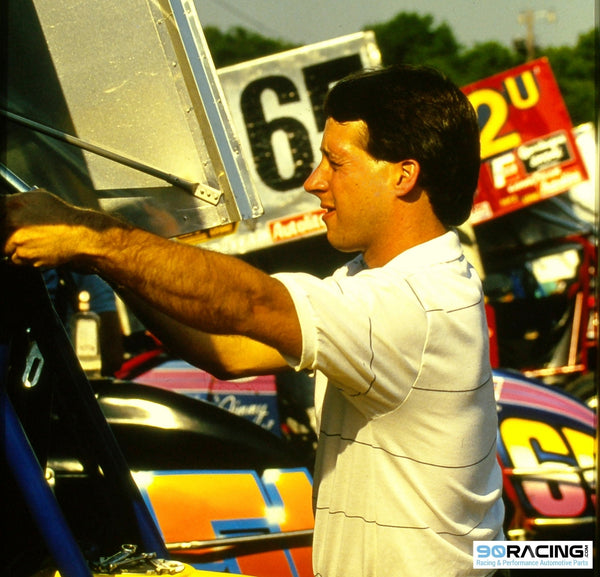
(204,290)
(223,356)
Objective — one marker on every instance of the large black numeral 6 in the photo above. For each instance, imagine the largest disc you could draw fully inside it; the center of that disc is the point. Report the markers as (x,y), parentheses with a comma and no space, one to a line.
(317,78)
(260,133)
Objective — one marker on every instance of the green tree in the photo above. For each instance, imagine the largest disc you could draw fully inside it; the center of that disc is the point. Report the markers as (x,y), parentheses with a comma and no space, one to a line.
(239,45)
(414,39)
(417,39)
(483,60)
(574,68)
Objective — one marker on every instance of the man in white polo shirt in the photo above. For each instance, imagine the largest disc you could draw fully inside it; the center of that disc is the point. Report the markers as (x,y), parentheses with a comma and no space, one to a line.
(406,475)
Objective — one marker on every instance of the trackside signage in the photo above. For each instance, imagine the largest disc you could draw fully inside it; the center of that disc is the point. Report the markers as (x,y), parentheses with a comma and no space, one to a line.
(276,104)
(533,554)
(297,226)
(528,150)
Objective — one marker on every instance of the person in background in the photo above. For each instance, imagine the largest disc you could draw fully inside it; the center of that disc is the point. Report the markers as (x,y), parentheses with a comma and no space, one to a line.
(406,477)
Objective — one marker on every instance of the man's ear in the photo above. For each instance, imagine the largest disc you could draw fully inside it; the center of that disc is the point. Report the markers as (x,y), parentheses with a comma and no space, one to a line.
(407,174)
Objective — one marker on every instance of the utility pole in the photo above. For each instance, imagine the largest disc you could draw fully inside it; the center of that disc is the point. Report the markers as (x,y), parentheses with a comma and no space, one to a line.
(528,18)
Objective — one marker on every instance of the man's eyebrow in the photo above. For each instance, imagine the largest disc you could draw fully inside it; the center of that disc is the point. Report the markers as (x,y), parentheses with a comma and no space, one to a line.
(325,153)
(330,154)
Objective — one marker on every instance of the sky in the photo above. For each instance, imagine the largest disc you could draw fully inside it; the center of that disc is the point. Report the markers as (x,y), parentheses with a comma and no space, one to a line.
(472,21)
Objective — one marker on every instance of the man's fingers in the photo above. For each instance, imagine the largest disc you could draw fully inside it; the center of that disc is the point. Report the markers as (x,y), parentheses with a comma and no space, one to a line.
(39,229)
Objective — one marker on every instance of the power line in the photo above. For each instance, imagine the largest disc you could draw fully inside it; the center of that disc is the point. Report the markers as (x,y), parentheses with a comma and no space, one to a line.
(257,24)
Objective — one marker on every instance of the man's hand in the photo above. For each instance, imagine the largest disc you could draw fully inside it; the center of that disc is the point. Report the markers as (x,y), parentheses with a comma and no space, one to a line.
(200,289)
(41,230)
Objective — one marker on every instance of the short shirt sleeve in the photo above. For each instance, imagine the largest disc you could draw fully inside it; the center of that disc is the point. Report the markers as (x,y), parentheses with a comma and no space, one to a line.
(365,332)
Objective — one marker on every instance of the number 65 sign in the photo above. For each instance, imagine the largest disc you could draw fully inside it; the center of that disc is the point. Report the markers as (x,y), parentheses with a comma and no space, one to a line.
(528,151)
(276,104)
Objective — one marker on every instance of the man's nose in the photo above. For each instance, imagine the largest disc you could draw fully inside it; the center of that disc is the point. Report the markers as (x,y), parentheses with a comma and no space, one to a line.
(316,182)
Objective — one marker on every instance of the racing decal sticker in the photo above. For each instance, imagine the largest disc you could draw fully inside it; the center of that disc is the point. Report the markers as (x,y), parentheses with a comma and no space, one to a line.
(199,511)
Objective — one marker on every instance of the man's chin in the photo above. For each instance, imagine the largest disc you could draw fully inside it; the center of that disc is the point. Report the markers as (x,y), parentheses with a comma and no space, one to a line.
(340,244)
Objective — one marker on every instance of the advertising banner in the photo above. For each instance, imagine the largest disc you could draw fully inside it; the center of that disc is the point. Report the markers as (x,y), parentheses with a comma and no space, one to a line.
(276,104)
(528,150)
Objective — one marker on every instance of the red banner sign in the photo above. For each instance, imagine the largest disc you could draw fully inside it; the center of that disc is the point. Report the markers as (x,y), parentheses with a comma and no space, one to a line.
(528,151)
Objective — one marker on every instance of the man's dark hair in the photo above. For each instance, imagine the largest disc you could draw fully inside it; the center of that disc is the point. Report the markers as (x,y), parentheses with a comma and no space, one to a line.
(416,112)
